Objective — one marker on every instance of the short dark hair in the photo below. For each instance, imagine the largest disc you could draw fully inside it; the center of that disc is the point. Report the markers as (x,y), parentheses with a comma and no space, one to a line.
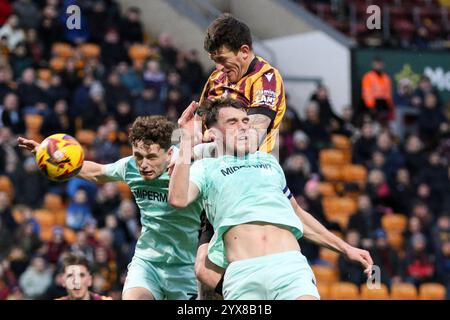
(227,31)
(74,259)
(210,108)
(152,130)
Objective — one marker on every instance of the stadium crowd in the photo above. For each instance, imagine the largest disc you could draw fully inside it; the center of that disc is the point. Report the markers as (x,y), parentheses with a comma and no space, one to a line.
(94,92)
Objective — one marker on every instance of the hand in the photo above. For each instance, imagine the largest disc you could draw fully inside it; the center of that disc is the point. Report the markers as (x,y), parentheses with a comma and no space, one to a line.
(361,256)
(28,144)
(191,124)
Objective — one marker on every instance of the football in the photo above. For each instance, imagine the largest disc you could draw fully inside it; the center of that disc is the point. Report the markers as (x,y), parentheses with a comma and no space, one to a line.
(60,157)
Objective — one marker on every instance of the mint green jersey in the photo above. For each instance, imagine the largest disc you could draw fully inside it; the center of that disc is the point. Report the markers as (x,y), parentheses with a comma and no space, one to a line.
(238,190)
(168,235)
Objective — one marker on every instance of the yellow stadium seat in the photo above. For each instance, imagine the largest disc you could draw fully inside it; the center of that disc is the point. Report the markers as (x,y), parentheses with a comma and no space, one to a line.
(332,157)
(44,217)
(403,291)
(138,54)
(324,291)
(44,74)
(340,141)
(354,173)
(326,189)
(124,190)
(7,186)
(329,256)
(46,233)
(339,209)
(33,122)
(90,50)
(396,240)
(394,222)
(432,291)
(53,202)
(85,136)
(63,50)
(331,173)
(69,235)
(344,291)
(381,293)
(324,274)
(57,64)
(60,217)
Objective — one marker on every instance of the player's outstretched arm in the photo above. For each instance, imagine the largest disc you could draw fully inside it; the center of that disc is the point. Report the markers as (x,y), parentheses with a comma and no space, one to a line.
(90,171)
(182,192)
(317,233)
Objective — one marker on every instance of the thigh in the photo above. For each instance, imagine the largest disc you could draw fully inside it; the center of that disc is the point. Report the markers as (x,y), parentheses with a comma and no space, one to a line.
(142,279)
(178,282)
(294,279)
(137,294)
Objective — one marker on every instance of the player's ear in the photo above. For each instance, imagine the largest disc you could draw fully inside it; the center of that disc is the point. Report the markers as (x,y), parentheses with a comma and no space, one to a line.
(245,51)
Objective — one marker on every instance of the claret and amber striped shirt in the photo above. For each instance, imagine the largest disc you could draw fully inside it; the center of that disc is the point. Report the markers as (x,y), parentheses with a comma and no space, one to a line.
(261,88)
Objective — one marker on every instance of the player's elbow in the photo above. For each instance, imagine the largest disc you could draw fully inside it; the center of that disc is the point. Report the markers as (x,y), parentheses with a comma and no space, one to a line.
(177,202)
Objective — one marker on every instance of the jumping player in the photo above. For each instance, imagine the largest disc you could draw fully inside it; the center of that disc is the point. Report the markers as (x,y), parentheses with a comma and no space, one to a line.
(246,199)
(163,263)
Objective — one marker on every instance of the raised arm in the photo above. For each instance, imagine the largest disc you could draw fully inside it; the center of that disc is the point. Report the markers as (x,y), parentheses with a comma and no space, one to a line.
(182,192)
(90,171)
(317,233)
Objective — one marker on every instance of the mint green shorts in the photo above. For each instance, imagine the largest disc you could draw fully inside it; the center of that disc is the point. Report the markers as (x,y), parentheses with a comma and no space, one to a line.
(165,282)
(281,276)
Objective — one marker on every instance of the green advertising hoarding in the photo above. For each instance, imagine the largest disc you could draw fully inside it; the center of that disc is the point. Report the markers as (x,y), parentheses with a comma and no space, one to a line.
(401,64)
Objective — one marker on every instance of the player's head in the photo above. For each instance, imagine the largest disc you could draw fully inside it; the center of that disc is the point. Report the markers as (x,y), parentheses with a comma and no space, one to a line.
(150,138)
(77,276)
(229,44)
(228,123)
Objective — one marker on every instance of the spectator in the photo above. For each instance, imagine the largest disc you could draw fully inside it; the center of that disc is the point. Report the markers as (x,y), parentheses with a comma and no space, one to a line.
(5,82)
(5,11)
(326,113)
(131,27)
(34,46)
(441,232)
(59,120)
(377,92)
(314,127)
(168,52)
(56,246)
(348,271)
(378,190)
(50,30)
(106,150)
(394,159)
(366,220)
(124,115)
(18,261)
(13,33)
(194,71)
(115,92)
(112,49)
(27,177)
(414,157)
(386,258)
(402,192)
(425,87)
(111,223)
(10,115)
(78,212)
(153,77)
(434,174)
(29,93)
(404,94)
(130,78)
(108,200)
(57,91)
(5,240)
(20,60)
(422,211)
(127,221)
(149,103)
(302,146)
(96,109)
(430,120)
(27,238)
(443,264)
(364,147)
(424,194)
(36,279)
(56,289)
(7,279)
(28,13)
(297,171)
(82,246)
(6,213)
(419,264)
